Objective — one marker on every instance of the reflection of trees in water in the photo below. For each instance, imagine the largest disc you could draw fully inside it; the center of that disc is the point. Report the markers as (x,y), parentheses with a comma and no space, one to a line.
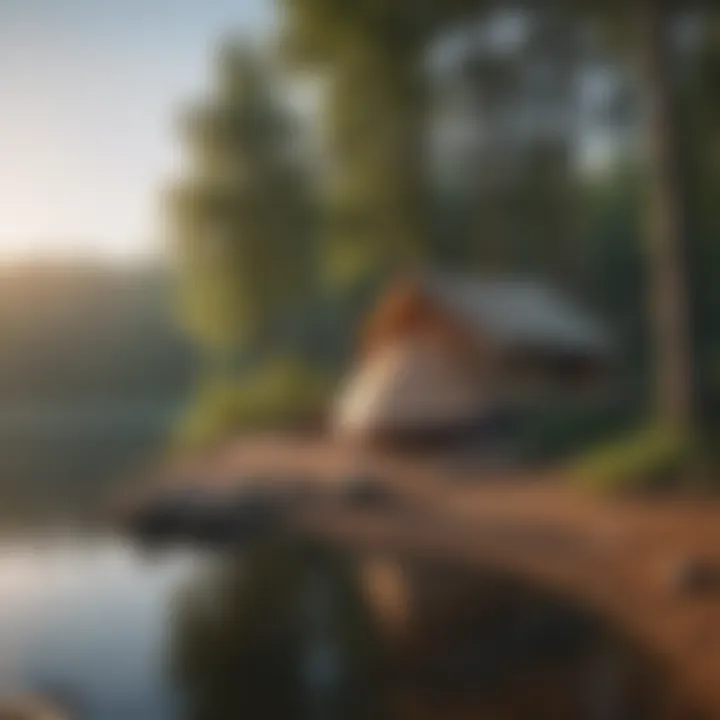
(280,633)
(285,632)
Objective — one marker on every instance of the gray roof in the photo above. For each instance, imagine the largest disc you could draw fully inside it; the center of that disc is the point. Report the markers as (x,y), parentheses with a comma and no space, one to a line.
(520,311)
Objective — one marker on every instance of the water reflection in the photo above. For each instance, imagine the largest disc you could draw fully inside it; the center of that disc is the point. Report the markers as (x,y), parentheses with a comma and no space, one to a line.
(290,630)
(89,619)
(283,634)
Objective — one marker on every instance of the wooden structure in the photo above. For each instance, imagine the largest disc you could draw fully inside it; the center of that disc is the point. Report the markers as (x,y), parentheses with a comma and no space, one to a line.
(446,351)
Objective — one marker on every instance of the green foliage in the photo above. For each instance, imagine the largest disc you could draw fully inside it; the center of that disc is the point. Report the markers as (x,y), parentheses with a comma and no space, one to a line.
(242,219)
(376,198)
(375,112)
(551,432)
(261,279)
(650,459)
(281,392)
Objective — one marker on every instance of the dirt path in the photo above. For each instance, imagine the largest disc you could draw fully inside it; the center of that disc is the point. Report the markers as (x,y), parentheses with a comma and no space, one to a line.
(620,558)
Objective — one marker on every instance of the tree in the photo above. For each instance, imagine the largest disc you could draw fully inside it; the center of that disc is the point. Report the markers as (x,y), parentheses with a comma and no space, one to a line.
(373,54)
(376,197)
(524,92)
(372,48)
(242,218)
(667,250)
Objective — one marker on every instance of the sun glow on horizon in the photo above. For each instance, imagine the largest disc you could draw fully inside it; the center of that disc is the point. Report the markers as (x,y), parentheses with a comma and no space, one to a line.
(90,92)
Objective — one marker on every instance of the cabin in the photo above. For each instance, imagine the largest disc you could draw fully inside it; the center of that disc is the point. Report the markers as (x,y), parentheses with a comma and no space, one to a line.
(443,353)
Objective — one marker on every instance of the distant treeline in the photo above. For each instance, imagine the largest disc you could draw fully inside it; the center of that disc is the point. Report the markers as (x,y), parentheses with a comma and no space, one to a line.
(89,334)
(93,372)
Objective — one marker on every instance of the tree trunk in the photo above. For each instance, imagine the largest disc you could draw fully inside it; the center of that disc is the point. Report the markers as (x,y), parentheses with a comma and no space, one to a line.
(376,118)
(665,230)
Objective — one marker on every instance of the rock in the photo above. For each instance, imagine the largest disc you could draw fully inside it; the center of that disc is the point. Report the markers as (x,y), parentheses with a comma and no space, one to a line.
(696,575)
(30,707)
(178,514)
(367,491)
(207,516)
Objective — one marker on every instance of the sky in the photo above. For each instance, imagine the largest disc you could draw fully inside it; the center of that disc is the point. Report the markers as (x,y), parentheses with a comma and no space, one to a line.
(89,90)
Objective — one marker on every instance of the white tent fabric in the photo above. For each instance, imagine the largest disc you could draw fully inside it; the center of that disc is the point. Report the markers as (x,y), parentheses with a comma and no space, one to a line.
(406,385)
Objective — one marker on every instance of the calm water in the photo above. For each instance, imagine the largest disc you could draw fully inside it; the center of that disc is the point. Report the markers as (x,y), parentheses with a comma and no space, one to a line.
(91,619)
(284,632)
(118,632)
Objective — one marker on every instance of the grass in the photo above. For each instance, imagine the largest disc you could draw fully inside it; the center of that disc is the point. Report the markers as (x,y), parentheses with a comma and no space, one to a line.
(551,432)
(283,393)
(653,458)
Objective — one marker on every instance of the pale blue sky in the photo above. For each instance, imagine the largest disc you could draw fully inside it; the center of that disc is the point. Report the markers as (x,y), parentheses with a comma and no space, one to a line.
(88,92)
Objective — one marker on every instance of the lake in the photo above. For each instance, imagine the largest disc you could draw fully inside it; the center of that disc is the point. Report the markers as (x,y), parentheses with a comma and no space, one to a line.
(115,632)
(89,618)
